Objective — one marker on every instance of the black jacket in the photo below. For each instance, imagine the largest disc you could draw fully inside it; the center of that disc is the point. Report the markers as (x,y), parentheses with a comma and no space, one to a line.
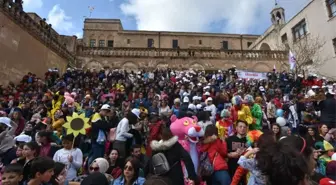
(101,124)
(174,153)
(328,111)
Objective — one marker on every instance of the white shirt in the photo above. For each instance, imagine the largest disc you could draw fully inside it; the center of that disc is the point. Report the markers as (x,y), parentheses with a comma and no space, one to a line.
(164,110)
(62,156)
(122,130)
(212,108)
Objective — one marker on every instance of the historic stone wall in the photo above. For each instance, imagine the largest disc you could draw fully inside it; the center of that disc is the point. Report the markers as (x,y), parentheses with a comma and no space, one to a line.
(111,29)
(20,53)
(210,59)
(70,43)
(135,63)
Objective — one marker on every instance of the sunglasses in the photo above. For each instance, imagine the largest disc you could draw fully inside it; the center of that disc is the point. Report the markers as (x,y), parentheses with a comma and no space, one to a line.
(94,168)
(129,168)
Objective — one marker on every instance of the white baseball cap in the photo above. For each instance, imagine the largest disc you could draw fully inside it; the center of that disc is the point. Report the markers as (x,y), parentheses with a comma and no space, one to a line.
(136,112)
(261,88)
(186,99)
(192,107)
(207,94)
(209,99)
(23,138)
(6,121)
(105,107)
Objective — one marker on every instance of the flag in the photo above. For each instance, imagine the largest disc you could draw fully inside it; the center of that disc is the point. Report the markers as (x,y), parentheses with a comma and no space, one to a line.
(292,60)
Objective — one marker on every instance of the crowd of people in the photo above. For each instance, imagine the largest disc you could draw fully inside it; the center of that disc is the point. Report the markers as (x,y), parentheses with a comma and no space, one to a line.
(167,127)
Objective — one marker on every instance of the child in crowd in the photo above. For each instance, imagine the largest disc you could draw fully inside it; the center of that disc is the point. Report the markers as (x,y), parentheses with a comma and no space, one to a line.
(41,171)
(12,175)
(71,156)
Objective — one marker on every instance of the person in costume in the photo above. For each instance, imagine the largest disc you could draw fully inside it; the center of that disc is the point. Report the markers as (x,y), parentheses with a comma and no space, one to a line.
(255,111)
(327,150)
(57,101)
(239,111)
(225,125)
(188,133)
(58,123)
(247,170)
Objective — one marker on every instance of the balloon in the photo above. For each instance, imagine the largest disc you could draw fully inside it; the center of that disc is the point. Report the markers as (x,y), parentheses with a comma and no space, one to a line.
(333,157)
(281,121)
(279,113)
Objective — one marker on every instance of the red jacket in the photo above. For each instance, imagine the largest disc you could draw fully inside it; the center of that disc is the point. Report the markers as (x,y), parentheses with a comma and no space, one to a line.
(277,103)
(154,134)
(20,127)
(217,151)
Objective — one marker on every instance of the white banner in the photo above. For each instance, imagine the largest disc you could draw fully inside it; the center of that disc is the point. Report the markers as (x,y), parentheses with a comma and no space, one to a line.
(251,75)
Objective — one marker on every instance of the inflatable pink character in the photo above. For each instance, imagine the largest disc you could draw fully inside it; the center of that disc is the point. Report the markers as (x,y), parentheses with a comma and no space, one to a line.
(188,132)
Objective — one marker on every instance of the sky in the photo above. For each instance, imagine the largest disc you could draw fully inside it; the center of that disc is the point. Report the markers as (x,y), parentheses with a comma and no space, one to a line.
(217,16)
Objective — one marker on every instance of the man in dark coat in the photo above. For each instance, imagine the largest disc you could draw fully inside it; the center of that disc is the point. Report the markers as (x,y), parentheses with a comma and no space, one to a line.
(328,110)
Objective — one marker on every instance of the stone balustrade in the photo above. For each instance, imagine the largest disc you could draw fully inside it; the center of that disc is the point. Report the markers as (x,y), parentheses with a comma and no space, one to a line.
(197,53)
(39,31)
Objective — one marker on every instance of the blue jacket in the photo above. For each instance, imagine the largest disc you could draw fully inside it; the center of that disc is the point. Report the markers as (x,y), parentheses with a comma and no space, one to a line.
(121,181)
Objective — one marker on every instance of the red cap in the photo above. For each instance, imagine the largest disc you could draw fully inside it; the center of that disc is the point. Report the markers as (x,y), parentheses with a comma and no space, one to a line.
(327,181)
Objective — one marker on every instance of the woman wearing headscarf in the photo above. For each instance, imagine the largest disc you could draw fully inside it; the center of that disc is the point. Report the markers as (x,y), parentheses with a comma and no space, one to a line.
(99,165)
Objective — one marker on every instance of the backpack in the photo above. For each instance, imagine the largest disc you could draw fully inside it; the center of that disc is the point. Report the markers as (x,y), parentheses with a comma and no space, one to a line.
(206,168)
(160,164)
(155,179)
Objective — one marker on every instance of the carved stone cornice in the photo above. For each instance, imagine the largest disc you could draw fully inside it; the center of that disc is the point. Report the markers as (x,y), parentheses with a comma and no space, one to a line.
(41,32)
(183,53)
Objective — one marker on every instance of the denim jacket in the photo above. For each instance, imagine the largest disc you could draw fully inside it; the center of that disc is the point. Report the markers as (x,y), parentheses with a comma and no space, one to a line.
(121,181)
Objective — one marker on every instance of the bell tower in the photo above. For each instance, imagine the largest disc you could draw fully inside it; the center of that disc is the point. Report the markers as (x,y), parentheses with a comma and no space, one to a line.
(278,15)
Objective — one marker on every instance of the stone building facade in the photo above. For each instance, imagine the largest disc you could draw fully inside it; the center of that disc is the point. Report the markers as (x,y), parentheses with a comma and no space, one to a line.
(27,45)
(315,25)
(106,44)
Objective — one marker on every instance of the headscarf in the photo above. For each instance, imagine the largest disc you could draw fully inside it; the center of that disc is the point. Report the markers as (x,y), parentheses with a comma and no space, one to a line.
(102,163)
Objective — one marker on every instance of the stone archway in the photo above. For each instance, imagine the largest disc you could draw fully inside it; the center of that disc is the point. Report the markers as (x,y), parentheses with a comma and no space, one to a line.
(197,66)
(261,67)
(265,46)
(162,65)
(93,65)
(130,66)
